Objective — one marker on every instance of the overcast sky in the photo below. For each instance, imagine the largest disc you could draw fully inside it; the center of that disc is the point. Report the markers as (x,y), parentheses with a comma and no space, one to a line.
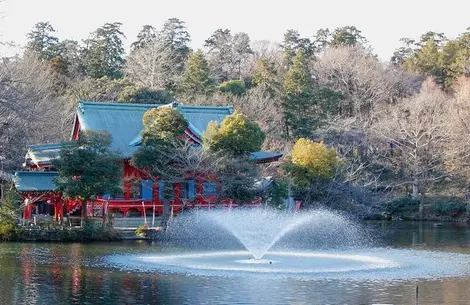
(382,22)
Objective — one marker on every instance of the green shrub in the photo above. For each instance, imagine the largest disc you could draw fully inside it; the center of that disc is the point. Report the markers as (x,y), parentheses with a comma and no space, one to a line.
(7,231)
(402,205)
(278,193)
(235,87)
(142,231)
(448,208)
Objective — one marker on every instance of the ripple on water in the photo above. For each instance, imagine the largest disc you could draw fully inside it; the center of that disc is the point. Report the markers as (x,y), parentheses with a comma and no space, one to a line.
(369,264)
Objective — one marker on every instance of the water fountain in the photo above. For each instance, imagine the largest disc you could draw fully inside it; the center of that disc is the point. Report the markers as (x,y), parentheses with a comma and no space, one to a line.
(317,244)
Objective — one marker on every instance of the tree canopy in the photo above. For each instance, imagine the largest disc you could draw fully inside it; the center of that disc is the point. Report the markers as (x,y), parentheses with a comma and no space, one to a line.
(312,161)
(88,167)
(236,135)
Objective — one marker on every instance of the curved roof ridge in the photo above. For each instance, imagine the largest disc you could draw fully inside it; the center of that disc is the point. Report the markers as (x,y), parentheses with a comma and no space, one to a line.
(116,105)
(46,146)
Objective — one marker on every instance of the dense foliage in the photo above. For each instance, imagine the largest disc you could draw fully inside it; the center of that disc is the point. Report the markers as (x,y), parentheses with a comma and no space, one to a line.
(398,126)
(88,167)
(236,135)
(311,161)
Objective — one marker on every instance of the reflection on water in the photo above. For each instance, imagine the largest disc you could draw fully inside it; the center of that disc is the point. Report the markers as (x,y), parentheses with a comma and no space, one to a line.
(47,273)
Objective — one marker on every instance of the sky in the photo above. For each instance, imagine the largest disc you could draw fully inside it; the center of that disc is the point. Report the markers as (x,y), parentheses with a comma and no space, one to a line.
(382,22)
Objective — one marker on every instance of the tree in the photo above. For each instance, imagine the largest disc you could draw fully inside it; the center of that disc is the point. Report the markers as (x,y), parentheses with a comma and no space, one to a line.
(27,94)
(42,42)
(305,106)
(175,39)
(158,58)
(424,56)
(229,146)
(266,76)
(342,36)
(455,58)
(142,95)
(236,176)
(457,152)
(227,53)
(347,36)
(163,124)
(119,90)
(103,53)
(236,135)
(414,137)
(292,44)
(155,65)
(363,82)
(197,78)
(146,36)
(233,87)
(164,155)
(311,162)
(87,168)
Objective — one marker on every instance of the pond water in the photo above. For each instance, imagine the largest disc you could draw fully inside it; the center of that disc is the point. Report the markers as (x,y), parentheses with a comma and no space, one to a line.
(48,273)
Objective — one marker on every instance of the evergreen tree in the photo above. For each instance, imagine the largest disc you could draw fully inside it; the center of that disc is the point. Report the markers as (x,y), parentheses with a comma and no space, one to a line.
(197,79)
(347,36)
(266,76)
(164,155)
(42,42)
(297,97)
(306,105)
(103,54)
(236,136)
(293,43)
(146,36)
(87,168)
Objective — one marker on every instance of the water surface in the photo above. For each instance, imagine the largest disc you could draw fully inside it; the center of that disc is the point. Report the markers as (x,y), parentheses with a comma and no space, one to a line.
(47,273)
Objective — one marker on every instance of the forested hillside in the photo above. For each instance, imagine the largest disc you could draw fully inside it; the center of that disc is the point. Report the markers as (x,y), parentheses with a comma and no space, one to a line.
(399,128)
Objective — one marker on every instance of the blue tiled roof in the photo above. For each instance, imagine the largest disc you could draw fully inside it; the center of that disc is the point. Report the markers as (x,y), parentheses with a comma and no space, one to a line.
(34,181)
(124,121)
(264,155)
(44,153)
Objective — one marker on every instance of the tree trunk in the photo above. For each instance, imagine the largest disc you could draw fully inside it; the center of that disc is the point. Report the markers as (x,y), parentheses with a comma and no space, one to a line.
(415,192)
(421,207)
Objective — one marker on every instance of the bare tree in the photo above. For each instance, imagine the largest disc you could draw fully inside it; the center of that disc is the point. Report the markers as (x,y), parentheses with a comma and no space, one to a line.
(363,81)
(414,137)
(29,111)
(458,124)
(149,66)
(261,49)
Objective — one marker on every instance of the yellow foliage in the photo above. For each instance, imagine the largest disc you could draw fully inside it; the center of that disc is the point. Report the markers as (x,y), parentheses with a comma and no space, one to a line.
(316,158)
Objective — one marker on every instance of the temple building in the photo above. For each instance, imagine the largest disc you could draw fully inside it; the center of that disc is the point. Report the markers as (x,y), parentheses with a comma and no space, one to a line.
(140,195)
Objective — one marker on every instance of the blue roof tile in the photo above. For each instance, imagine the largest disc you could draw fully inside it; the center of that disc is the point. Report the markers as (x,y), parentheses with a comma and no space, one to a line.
(34,181)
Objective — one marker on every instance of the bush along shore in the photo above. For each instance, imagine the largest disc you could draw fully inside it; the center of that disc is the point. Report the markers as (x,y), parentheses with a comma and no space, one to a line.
(57,233)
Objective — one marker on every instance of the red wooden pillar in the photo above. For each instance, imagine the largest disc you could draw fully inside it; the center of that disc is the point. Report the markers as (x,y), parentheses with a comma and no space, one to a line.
(28,211)
(61,209)
(177,193)
(126,173)
(56,211)
(127,189)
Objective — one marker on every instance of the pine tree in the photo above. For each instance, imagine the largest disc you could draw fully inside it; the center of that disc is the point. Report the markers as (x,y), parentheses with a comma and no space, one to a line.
(306,105)
(42,42)
(197,79)
(104,51)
